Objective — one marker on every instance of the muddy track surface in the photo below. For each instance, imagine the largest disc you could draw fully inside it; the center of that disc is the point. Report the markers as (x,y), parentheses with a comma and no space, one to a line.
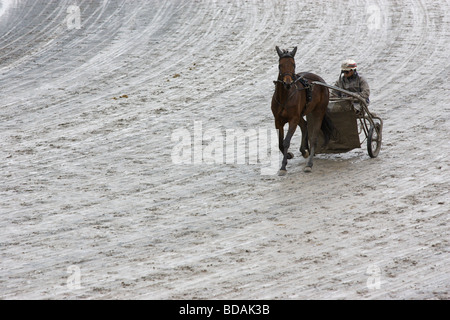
(94,203)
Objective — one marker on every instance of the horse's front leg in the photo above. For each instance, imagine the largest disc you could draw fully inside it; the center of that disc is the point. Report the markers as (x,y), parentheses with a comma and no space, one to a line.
(285,144)
(304,148)
(279,126)
(280,130)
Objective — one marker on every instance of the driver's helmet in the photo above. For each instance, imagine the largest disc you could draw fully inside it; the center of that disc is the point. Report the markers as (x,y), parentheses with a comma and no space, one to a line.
(348,65)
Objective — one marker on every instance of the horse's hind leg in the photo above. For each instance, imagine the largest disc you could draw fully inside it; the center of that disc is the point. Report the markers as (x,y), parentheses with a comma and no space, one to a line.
(313,144)
(304,148)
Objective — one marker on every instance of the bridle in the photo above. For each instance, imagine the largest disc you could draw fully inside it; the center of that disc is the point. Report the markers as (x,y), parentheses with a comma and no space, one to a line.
(293,77)
(288,86)
(281,76)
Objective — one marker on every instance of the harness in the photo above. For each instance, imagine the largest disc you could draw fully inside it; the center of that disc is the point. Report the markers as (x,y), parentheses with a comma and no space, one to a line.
(306,86)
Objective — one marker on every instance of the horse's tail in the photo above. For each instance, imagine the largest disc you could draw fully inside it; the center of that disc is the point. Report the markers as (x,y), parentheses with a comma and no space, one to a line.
(328,129)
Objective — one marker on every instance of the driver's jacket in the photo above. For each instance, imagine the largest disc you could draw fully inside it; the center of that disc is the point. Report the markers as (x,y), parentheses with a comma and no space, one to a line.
(355,83)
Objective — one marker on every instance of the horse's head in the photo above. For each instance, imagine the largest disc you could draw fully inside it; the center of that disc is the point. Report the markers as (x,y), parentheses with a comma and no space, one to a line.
(286,67)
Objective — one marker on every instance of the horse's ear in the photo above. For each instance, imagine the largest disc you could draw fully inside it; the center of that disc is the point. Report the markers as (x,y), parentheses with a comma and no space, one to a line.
(293,52)
(279,51)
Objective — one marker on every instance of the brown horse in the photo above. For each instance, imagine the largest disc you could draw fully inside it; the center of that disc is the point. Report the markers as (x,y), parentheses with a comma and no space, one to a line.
(291,101)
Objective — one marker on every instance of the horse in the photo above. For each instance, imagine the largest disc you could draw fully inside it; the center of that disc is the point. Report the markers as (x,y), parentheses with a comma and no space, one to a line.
(291,101)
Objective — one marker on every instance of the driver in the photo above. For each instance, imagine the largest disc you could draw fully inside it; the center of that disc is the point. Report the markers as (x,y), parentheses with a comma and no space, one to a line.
(352,81)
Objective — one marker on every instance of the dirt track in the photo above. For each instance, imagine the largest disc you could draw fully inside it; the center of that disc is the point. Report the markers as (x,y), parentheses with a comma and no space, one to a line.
(89,186)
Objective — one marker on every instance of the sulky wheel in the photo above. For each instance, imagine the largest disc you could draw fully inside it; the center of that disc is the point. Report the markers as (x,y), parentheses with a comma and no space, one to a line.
(374,140)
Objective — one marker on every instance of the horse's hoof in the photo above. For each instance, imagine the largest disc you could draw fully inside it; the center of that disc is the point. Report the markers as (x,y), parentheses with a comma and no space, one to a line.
(282,173)
(290,155)
(305,155)
(307,169)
